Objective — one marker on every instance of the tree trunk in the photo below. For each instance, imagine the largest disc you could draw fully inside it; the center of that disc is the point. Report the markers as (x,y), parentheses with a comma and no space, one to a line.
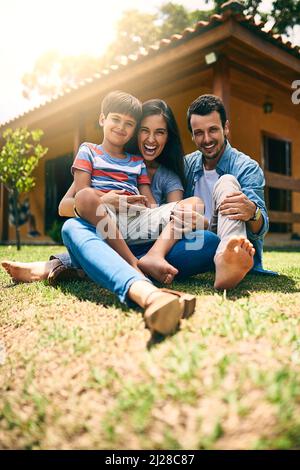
(16,216)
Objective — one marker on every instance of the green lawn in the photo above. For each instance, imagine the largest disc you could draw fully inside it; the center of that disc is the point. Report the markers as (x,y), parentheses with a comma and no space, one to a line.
(80,372)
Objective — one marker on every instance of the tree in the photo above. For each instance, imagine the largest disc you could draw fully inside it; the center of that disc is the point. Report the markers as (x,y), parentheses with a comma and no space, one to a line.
(19,156)
(251,6)
(137,30)
(174,18)
(286,14)
(53,71)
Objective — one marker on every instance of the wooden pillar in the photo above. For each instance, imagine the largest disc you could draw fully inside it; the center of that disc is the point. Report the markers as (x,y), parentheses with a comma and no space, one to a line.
(79,132)
(4,214)
(221,81)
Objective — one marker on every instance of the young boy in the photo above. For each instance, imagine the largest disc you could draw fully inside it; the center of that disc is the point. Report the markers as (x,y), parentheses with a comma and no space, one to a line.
(100,169)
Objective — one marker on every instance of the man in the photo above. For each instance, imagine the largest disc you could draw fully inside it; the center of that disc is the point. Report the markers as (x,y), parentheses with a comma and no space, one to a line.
(231,185)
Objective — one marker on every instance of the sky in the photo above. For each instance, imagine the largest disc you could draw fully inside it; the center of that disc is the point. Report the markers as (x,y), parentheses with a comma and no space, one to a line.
(31,27)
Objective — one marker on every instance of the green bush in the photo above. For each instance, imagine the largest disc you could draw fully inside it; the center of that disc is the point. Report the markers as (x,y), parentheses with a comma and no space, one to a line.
(55,231)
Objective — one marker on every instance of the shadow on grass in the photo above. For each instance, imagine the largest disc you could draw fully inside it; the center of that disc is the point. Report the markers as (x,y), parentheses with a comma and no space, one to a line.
(88,290)
(259,284)
(157,338)
(202,284)
(9,286)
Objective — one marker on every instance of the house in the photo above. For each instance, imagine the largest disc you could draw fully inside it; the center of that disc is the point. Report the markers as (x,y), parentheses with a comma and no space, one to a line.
(229,55)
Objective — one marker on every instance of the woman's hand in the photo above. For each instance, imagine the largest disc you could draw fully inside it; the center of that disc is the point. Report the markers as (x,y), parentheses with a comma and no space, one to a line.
(145,190)
(117,199)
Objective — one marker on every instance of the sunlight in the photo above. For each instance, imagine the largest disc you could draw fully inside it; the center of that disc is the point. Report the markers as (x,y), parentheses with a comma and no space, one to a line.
(72,27)
(31,28)
(63,25)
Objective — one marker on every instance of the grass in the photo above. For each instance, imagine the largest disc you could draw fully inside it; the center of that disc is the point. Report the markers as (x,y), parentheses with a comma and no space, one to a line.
(77,369)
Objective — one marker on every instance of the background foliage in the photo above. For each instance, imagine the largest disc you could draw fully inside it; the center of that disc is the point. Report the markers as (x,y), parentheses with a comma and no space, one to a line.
(137,30)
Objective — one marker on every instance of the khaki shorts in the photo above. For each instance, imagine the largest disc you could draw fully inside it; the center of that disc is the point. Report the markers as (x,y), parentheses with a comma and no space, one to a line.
(140,223)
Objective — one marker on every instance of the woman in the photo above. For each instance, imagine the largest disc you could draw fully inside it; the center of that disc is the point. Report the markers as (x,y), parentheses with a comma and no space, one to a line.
(160,145)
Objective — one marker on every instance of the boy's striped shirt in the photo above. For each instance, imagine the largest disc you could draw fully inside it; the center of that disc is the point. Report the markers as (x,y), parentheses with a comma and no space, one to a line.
(109,173)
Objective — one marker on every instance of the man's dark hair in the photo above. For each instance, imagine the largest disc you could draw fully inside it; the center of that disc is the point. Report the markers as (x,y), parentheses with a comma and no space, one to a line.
(204,105)
(121,103)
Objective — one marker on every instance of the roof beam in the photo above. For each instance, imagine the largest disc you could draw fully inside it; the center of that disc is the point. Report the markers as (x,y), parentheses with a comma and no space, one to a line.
(263,46)
(221,81)
(140,74)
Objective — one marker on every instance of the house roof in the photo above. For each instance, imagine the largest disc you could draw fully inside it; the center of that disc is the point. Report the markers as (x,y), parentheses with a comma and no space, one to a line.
(231,9)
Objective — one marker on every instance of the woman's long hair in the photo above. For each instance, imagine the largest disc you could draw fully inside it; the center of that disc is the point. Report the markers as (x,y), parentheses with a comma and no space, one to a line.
(172,154)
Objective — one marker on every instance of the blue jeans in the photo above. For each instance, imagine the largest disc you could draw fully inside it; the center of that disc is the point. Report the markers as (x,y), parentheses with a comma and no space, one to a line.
(107,268)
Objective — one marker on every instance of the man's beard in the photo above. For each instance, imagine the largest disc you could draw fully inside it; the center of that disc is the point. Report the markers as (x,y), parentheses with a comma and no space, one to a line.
(216,154)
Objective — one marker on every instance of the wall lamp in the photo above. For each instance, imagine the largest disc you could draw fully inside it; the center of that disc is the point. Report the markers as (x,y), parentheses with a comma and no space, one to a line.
(211,58)
(268,106)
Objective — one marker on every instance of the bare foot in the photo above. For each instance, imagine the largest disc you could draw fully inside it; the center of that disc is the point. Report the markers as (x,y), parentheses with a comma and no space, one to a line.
(29,272)
(158,268)
(233,263)
(135,266)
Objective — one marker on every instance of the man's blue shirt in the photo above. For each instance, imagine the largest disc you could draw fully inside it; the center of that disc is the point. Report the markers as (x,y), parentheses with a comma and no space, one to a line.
(251,178)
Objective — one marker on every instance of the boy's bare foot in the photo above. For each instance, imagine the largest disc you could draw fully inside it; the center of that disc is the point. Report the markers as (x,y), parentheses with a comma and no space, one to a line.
(233,263)
(158,268)
(29,272)
(135,266)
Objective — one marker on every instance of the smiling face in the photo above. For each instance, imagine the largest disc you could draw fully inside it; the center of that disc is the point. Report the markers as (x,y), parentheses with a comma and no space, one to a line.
(118,129)
(152,136)
(209,135)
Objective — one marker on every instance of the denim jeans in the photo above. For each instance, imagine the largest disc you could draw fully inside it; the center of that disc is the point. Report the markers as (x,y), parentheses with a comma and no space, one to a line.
(108,269)
(252,182)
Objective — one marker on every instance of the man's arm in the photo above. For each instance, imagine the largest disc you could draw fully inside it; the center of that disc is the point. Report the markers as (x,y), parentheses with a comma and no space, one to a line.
(242,205)
(255,226)
(238,207)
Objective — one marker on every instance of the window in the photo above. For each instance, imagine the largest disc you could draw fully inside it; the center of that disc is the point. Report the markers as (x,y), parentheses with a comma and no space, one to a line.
(277,159)
(58,179)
